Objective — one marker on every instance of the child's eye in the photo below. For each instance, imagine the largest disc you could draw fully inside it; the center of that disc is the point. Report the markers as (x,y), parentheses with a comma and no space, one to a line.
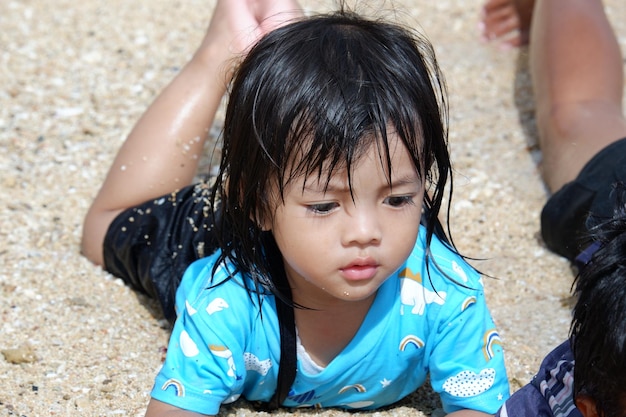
(322,208)
(399,201)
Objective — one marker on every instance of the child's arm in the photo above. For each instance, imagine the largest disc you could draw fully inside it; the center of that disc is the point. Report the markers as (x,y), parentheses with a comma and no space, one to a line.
(161,153)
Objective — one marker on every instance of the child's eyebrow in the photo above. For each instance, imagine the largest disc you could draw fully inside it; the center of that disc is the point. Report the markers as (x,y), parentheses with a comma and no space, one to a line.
(318,187)
(404,184)
(409,179)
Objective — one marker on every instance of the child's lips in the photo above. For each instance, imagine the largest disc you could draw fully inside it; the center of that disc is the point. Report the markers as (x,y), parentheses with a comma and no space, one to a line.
(358,271)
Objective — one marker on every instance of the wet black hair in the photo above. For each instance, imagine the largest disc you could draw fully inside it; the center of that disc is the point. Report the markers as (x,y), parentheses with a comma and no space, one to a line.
(598,331)
(310,98)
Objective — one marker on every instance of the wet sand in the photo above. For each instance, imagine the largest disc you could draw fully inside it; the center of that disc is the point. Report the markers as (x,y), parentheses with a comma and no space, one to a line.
(74,78)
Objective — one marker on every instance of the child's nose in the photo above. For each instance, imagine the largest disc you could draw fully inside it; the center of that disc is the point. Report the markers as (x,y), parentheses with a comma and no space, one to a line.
(362,227)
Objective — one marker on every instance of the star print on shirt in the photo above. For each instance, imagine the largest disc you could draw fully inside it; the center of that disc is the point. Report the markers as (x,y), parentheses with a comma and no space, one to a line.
(385,382)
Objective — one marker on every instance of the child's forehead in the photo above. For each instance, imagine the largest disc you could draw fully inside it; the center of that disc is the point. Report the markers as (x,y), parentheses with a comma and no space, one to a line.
(393,162)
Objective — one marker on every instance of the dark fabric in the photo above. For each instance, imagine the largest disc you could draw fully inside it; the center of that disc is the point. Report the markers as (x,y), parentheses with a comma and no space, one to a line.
(570,212)
(525,402)
(151,245)
(549,394)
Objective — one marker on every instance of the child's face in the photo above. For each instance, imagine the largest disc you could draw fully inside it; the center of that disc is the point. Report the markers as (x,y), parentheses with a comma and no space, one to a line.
(340,246)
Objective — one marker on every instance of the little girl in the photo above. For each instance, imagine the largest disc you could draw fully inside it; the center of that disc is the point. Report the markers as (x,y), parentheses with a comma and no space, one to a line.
(318,246)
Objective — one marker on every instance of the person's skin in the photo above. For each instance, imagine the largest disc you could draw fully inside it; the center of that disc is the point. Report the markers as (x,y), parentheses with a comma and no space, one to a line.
(586,405)
(577,74)
(161,153)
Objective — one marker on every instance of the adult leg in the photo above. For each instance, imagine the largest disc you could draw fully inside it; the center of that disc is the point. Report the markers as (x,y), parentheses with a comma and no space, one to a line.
(577,73)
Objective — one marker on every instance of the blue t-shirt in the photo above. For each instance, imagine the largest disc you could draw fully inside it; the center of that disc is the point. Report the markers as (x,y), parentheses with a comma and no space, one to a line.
(421,322)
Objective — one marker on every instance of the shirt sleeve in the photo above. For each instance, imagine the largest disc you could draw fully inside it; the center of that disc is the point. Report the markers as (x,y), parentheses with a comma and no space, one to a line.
(467,362)
(204,366)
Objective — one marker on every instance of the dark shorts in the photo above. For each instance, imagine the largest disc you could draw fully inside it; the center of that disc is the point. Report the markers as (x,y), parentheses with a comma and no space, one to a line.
(571,211)
(150,246)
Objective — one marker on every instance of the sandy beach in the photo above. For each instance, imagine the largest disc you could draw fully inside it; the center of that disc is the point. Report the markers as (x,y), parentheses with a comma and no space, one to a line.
(75,76)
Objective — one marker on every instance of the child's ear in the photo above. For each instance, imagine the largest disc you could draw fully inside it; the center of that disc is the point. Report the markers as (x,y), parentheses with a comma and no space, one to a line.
(586,405)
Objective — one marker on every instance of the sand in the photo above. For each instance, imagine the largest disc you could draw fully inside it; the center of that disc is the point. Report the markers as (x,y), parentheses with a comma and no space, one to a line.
(74,78)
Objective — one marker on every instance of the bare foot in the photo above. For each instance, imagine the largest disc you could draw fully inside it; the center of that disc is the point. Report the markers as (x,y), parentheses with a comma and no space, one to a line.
(507,21)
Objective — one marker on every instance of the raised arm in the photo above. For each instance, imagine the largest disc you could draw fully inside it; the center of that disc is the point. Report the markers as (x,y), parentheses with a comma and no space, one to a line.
(162,151)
